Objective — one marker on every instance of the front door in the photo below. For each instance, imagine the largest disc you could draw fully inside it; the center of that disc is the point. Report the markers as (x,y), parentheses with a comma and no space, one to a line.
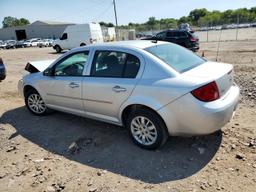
(63,89)
(64,42)
(113,77)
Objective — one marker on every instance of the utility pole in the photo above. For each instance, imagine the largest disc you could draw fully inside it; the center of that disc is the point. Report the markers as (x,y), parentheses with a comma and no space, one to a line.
(114,2)
(117,36)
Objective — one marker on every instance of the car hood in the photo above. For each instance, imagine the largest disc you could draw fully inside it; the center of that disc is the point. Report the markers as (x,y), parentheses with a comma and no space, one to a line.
(38,66)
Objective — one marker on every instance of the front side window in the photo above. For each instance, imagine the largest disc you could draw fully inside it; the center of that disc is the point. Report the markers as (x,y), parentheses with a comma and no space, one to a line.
(160,35)
(72,65)
(64,36)
(175,56)
(115,64)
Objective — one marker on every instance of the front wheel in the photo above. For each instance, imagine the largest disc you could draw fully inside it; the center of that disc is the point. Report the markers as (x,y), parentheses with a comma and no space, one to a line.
(58,49)
(147,129)
(35,103)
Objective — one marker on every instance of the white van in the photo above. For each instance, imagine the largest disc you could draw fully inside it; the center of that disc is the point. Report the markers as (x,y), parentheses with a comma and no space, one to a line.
(78,35)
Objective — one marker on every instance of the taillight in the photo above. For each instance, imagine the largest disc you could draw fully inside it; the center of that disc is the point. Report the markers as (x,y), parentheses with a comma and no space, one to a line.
(206,93)
(192,39)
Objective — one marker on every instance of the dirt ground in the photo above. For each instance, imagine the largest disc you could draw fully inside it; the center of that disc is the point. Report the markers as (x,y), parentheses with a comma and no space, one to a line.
(35,151)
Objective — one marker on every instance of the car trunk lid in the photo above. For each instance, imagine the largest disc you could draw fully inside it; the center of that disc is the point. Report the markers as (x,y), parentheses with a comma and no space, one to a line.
(221,73)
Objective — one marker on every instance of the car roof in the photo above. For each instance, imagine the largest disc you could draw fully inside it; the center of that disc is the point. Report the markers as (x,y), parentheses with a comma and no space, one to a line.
(137,44)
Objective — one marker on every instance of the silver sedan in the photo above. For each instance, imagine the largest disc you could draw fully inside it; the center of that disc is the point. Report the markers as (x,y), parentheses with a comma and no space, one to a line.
(155,89)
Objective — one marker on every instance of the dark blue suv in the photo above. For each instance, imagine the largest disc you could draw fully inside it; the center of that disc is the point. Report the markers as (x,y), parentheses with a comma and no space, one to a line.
(181,37)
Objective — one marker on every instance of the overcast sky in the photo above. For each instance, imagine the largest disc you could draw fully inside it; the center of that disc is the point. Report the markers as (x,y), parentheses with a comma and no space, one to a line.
(136,11)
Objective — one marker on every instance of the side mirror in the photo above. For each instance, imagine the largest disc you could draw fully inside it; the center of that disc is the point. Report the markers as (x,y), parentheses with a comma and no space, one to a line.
(48,72)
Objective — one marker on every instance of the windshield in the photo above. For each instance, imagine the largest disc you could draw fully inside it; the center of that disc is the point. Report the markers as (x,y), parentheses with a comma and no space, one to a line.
(176,56)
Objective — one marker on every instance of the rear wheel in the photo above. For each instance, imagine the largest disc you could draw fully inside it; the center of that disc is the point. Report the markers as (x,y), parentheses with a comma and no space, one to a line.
(147,129)
(35,103)
(82,44)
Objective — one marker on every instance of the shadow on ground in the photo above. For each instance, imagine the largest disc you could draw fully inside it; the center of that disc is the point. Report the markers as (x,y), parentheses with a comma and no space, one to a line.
(108,147)
(55,53)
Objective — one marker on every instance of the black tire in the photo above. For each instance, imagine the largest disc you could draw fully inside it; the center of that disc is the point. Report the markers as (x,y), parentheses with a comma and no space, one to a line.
(162,133)
(27,96)
(82,44)
(58,49)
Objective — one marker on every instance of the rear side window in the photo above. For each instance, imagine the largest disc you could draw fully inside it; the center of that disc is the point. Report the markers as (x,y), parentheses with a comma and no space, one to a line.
(183,34)
(175,56)
(115,64)
(132,66)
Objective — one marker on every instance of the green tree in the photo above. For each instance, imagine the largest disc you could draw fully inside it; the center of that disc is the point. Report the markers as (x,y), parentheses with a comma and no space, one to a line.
(196,14)
(13,21)
(152,22)
(102,23)
(184,20)
(24,21)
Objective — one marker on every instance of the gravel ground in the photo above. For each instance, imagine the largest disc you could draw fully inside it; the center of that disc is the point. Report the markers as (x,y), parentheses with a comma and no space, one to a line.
(62,152)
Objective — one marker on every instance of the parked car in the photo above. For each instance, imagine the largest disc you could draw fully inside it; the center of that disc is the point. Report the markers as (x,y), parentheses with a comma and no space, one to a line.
(10,44)
(155,89)
(3,45)
(181,37)
(32,42)
(78,35)
(50,41)
(43,43)
(20,44)
(2,70)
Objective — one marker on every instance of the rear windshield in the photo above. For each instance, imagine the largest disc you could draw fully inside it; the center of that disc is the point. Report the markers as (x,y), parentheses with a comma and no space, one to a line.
(176,56)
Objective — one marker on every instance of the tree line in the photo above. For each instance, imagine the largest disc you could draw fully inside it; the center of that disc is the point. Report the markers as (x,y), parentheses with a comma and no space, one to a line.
(196,18)
(199,18)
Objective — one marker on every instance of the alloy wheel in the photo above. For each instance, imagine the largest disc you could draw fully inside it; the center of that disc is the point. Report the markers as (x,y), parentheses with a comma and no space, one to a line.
(36,103)
(143,130)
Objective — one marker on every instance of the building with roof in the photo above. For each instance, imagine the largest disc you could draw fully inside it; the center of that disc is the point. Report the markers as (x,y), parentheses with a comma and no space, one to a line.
(38,29)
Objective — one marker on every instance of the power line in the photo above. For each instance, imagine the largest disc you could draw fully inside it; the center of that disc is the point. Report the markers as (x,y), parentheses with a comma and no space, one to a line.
(104,12)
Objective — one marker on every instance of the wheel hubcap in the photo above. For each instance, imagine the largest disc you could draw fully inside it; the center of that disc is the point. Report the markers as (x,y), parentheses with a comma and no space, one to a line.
(143,130)
(36,103)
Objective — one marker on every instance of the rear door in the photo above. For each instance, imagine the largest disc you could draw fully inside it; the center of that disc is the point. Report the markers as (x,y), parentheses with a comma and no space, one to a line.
(113,76)
(181,38)
(170,37)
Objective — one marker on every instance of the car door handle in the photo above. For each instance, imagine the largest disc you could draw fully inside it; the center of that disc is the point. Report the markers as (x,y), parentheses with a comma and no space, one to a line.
(118,89)
(73,85)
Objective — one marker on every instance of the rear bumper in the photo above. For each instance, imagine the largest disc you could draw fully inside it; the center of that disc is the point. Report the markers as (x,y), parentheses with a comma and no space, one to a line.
(188,116)
(194,46)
